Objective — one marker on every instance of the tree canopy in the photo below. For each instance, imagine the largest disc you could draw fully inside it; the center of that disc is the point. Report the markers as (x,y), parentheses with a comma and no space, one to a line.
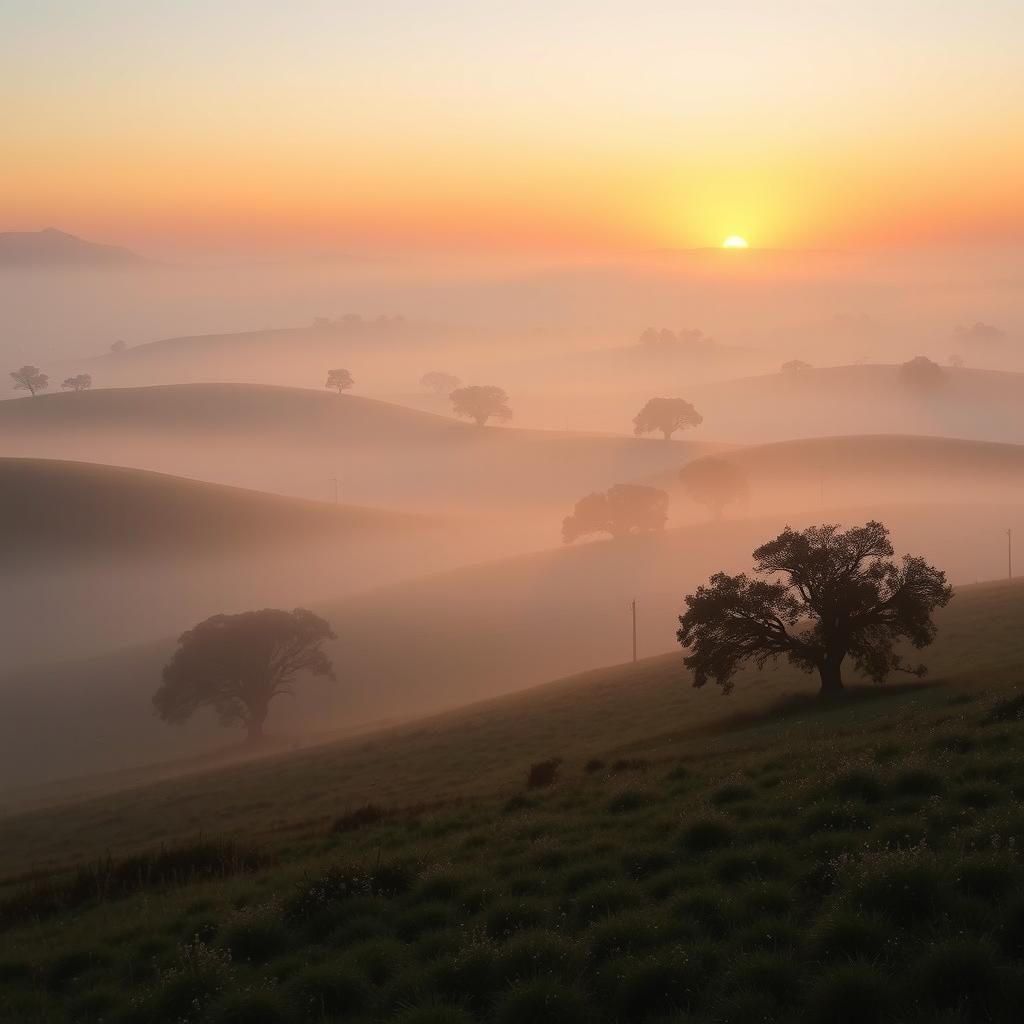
(81,382)
(922,374)
(831,594)
(339,380)
(440,383)
(481,402)
(714,483)
(666,415)
(620,511)
(30,379)
(237,664)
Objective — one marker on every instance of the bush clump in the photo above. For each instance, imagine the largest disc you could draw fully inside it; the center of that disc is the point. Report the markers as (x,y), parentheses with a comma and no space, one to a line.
(543,773)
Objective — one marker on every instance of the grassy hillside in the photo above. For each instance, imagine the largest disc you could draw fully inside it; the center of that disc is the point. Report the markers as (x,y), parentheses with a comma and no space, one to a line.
(976,404)
(130,513)
(442,640)
(698,858)
(295,440)
(887,466)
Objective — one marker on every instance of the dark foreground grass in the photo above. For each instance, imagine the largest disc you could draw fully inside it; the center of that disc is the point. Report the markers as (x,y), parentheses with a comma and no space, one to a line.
(855,863)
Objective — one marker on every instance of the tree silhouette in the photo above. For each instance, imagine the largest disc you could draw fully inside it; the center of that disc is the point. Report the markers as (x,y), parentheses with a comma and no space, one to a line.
(82,382)
(922,374)
(831,595)
(620,511)
(339,380)
(666,415)
(440,383)
(481,402)
(714,483)
(118,346)
(238,664)
(795,366)
(30,379)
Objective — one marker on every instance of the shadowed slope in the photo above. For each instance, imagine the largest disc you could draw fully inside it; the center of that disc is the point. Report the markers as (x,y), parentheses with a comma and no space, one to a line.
(61,510)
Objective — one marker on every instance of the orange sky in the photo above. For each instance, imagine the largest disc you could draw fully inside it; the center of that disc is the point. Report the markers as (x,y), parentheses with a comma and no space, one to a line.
(581,125)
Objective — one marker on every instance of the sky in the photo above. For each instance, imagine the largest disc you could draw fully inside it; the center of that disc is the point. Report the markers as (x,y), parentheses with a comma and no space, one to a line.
(580,124)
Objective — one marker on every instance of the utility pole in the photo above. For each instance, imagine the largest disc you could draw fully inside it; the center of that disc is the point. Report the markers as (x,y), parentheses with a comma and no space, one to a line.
(632,606)
(1009,554)
(335,479)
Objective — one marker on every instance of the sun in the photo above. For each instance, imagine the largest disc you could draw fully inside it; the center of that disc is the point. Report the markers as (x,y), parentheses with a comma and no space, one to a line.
(734,242)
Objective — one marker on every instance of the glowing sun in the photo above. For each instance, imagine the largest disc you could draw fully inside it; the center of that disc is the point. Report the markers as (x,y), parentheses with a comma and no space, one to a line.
(734,242)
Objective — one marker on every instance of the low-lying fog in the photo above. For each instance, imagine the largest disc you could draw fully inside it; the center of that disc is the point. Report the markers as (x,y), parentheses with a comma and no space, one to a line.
(431,544)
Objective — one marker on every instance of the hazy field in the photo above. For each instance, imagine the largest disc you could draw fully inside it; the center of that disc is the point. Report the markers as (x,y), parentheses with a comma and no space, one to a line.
(789,864)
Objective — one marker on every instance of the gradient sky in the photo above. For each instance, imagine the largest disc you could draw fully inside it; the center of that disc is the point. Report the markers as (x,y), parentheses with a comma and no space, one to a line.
(549,124)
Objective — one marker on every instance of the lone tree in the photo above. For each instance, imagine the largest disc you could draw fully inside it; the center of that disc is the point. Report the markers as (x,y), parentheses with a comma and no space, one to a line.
(667,415)
(30,379)
(622,510)
(795,366)
(922,374)
(440,383)
(831,595)
(82,382)
(339,380)
(714,483)
(481,402)
(239,663)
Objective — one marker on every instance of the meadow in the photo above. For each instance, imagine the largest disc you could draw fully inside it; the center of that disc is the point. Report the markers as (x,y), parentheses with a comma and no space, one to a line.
(689,857)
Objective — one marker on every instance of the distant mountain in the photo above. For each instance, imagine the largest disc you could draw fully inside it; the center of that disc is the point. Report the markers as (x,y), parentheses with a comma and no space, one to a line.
(53,248)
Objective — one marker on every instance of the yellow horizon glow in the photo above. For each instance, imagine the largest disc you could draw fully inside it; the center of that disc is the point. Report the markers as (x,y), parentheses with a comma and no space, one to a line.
(735,242)
(332,124)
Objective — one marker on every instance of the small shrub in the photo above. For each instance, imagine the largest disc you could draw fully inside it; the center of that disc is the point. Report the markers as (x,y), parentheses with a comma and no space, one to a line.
(543,773)
(629,764)
(594,765)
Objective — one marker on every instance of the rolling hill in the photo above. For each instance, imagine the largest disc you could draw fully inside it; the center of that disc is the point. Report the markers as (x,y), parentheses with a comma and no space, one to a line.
(58,249)
(483,746)
(687,857)
(968,403)
(294,441)
(443,640)
(130,513)
(841,470)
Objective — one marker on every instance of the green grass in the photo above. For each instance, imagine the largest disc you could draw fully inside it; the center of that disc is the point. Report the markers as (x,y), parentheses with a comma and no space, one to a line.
(856,861)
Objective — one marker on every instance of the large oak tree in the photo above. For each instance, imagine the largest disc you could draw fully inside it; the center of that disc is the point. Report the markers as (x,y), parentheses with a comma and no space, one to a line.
(830,595)
(237,664)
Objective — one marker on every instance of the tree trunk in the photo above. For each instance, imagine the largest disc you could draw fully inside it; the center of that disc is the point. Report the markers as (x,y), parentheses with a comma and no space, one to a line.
(831,674)
(257,716)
